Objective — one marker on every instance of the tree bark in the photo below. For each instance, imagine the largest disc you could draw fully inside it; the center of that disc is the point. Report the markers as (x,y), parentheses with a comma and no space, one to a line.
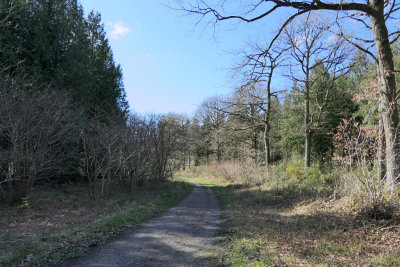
(218,153)
(267,130)
(255,146)
(387,92)
(307,130)
(267,146)
(189,159)
(307,160)
(381,151)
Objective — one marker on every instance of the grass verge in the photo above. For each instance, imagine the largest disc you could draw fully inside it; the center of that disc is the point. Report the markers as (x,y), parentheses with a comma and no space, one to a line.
(265,227)
(53,248)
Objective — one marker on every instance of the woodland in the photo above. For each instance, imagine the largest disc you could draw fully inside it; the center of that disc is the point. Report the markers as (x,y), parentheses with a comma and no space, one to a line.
(339,115)
(65,119)
(64,113)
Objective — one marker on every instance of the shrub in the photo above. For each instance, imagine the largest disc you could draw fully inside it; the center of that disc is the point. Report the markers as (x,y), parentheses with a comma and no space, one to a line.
(363,178)
(313,177)
(38,137)
(297,173)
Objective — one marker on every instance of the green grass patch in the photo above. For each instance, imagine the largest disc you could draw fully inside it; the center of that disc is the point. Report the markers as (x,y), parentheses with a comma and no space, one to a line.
(389,258)
(52,249)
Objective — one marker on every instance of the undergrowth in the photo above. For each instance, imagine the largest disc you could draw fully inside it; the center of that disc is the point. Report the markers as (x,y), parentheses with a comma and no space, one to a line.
(292,218)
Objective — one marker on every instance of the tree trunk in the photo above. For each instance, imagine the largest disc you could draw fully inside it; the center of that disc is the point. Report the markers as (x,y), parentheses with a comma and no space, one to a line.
(387,91)
(267,130)
(307,150)
(307,160)
(255,145)
(381,151)
(267,146)
(218,153)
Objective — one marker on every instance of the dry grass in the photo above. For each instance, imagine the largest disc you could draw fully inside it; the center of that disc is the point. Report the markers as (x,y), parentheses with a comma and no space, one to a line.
(50,209)
(231,172)
(266,226)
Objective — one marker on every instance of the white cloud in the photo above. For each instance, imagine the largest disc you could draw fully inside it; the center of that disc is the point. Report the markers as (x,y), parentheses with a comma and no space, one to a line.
(120,30)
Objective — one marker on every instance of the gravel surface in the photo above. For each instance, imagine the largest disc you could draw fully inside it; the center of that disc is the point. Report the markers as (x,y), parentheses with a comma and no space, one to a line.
(181,236)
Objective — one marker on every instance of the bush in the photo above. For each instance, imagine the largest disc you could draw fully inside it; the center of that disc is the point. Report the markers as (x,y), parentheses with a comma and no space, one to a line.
(367,191)
(279,174)
(38,137)
(297,173)
(290,176)
(293,174)
(363,180)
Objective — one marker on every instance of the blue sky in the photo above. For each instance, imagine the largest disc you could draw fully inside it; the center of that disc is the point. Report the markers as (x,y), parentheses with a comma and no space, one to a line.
(169,63)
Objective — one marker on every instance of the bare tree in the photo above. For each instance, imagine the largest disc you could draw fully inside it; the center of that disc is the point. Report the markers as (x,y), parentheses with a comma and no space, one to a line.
(258,69)
(211,114)
(318,60)
(165,133)
(112,140)
(136,151)
(197,142)
(103,155)
(37,137)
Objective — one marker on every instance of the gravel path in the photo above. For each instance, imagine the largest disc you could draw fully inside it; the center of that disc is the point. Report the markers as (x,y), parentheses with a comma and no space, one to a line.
(181,236)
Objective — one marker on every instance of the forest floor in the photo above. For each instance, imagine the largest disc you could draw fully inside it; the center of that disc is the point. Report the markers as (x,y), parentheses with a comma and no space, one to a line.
(265,227)
(59,222)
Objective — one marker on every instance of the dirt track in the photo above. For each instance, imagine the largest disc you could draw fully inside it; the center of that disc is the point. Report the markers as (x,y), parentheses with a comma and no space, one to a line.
(181,236)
